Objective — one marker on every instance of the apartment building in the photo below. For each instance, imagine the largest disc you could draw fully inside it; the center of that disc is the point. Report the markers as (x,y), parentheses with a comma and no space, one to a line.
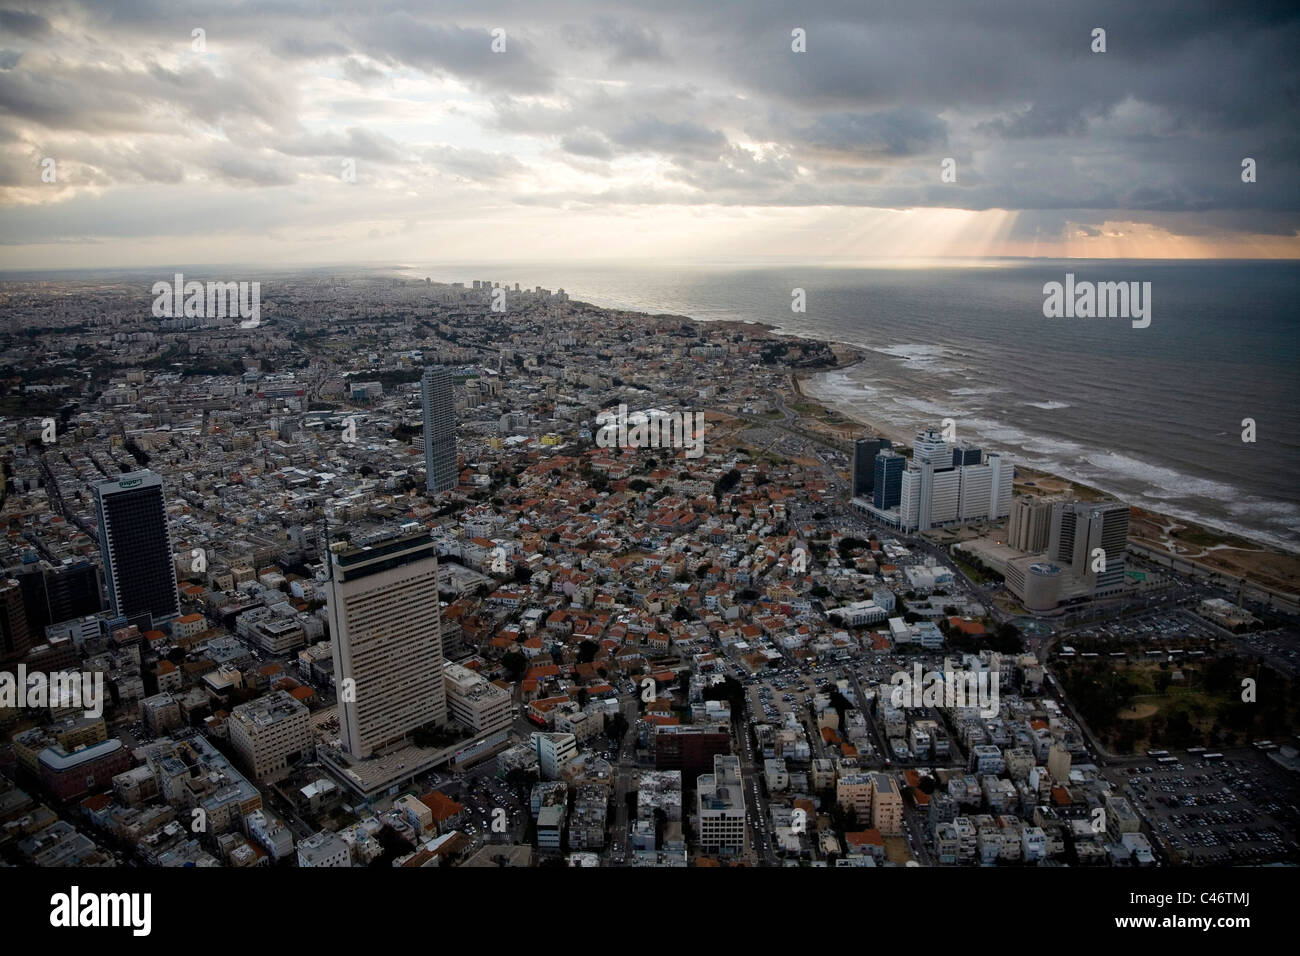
(475,702)
(720,807)
(270,735)
(853,792)
(886,805)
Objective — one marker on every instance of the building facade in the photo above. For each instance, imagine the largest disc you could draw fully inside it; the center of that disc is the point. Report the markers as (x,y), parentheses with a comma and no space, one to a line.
(385,632)
(135,544)
(439,429)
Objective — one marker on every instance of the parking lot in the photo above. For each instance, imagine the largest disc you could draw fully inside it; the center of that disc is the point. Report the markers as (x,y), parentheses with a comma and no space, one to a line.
(1240,811)
(481,796)
(1175,625)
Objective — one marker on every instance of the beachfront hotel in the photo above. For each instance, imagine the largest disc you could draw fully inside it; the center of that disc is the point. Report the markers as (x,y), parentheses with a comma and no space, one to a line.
(942,485)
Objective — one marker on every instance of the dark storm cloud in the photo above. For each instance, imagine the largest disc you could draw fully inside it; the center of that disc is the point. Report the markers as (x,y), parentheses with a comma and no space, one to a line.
(895,133)
(1155,127)
(23,24)
(624,42)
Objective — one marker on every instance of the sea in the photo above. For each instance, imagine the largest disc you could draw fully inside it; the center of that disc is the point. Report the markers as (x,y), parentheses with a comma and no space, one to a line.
(1154,415)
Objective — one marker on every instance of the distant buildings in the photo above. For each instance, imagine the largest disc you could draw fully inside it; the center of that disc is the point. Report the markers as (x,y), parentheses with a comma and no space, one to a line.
(136,547)
(385,630)
(439,429)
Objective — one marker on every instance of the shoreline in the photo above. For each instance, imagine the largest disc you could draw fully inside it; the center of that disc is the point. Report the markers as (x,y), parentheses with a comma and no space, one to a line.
(1231,553)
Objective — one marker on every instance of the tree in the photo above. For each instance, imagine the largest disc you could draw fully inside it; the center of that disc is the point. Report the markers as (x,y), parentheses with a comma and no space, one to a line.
(515,664)
(587,651)
(724,484)
(617,728)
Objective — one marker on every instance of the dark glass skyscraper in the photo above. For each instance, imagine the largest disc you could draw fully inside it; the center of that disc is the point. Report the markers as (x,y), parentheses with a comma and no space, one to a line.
(15,638)
(865,451)
(439,429)
(888,490)
(139,573)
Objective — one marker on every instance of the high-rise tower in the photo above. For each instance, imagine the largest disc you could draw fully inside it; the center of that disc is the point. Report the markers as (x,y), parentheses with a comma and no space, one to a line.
(385,630)
(439,429)
(135,544)
(865,451)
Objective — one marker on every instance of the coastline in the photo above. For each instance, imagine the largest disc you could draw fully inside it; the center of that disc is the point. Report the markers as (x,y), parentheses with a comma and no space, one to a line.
(1235,554)
(1219,551)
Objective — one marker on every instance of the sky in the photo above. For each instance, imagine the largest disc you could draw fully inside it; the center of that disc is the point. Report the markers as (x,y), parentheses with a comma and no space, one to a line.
(284,132)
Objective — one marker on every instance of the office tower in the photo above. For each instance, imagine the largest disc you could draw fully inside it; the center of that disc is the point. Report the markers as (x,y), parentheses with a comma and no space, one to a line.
(1031,524)
(930,447)
(439,429)
(15,640)
(386,638)
(932,459)
(963,455)
(977,492)
(1001,485)
(1078,529)
(887,486)
(53,593)
(135,544)
(865,451)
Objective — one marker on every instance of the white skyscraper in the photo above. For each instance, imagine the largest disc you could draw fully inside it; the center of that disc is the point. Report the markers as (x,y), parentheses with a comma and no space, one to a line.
(945,484)
(385,630)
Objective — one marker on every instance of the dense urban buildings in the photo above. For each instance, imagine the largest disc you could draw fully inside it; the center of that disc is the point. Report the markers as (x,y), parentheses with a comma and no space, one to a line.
(570,654)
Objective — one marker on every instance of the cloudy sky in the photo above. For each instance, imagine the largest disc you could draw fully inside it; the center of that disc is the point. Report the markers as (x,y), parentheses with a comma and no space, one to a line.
(296,132)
